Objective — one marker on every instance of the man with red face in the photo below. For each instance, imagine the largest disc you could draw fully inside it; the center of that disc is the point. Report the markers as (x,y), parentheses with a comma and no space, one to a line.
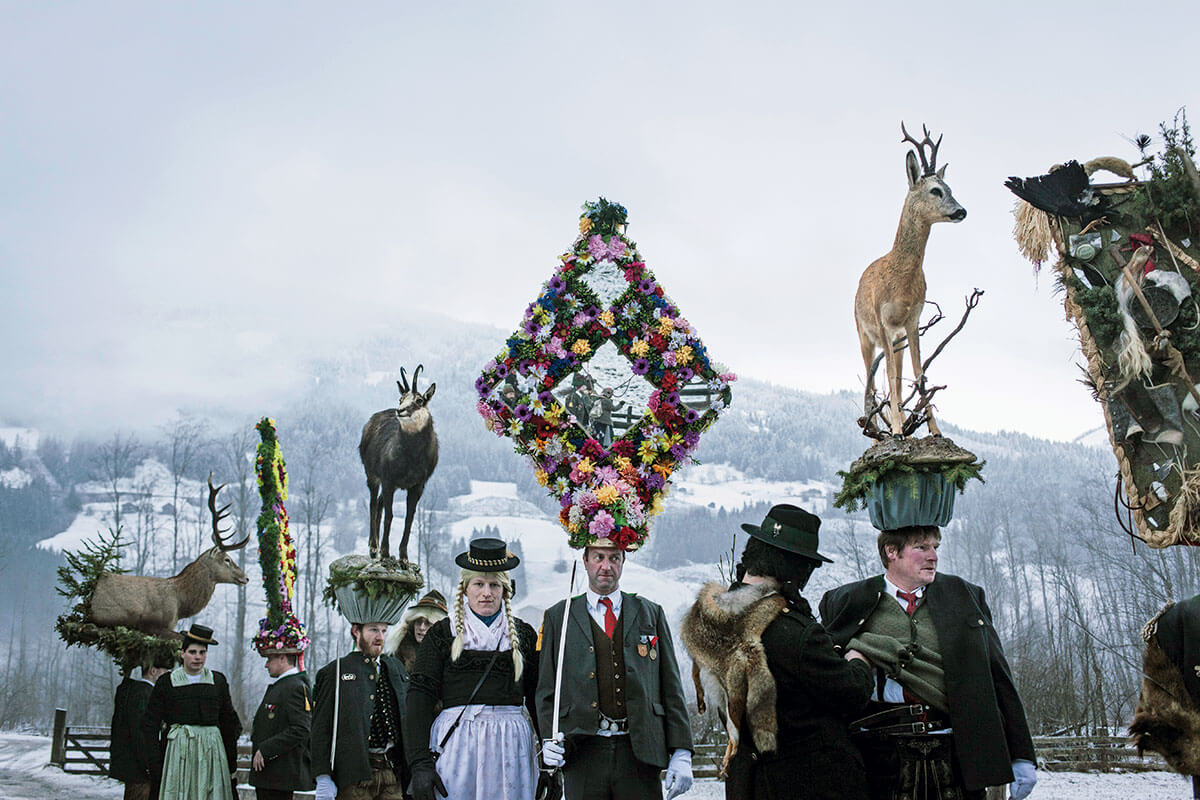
(944,706)
(622,716)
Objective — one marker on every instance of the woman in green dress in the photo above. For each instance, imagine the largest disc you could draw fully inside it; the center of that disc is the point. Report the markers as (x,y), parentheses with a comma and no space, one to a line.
(190,729)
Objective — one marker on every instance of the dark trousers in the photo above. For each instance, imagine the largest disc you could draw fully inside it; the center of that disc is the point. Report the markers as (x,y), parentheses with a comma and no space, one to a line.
(604,768)
(922,767)
(272,794)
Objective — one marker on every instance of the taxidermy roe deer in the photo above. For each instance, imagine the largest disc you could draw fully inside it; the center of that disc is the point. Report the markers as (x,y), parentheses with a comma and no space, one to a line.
(399,450)
(891,291)
(154,605)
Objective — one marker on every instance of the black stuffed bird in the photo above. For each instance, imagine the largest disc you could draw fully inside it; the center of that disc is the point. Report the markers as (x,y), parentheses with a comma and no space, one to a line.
(1063,192)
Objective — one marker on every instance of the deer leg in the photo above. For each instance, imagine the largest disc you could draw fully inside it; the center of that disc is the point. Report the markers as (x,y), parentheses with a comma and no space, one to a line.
(412,497)
(914,347)
(868,353)
(385,499)
(701,706)
(373,537)
(895,374)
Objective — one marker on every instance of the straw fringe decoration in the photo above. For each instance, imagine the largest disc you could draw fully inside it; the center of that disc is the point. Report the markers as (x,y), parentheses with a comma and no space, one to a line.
(1031,229)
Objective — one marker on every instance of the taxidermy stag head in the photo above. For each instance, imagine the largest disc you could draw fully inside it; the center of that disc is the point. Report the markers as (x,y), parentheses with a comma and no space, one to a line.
(399,450)
(891,292)
(154,605)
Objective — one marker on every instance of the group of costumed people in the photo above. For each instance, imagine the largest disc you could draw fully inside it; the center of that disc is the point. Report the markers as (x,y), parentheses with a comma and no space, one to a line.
(903,691)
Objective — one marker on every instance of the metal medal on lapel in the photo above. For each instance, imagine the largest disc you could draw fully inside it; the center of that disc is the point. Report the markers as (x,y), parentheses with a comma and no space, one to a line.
(643,648)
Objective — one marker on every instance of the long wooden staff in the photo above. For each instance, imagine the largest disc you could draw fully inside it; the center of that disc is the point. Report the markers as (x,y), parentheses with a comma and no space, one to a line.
(562,649)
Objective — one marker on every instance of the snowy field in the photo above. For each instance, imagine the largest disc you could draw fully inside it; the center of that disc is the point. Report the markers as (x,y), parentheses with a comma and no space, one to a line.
(24,775)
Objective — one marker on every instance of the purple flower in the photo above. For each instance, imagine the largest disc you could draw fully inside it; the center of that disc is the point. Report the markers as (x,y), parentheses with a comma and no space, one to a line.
(591,312)
(530,326)
(557,284)
(691,439)
(692,415)
(673,399)
(641,366)
(545,398)
(481,386)
(686,374)
(501,371)
(678,451)
(654,481)
(522,412)
(646,286)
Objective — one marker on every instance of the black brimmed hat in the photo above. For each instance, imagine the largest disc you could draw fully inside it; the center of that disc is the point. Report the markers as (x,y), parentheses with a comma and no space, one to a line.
(790,528)
(200,634)
(432,601)
(487,555)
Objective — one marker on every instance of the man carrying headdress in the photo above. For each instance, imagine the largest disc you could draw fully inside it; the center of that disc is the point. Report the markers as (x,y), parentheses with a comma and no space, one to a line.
(622,717)
(368,689)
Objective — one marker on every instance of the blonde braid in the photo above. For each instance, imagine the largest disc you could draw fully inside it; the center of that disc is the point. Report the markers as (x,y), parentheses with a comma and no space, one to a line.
(460,623)
(518,662)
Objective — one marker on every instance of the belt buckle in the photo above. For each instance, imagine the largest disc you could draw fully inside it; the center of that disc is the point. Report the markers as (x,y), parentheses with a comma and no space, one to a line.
(921,727)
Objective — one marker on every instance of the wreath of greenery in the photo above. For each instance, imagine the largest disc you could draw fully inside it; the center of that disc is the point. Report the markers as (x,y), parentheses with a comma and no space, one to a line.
(857,483)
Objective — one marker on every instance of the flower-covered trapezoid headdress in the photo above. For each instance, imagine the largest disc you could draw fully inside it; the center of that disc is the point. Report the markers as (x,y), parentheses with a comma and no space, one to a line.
(603,318)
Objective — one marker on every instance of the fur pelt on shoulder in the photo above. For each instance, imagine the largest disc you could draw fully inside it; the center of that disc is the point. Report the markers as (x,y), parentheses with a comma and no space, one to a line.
(1167,720)
(723,632)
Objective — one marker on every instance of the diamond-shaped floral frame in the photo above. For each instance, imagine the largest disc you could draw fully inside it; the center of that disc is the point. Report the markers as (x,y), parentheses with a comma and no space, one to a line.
(605,493)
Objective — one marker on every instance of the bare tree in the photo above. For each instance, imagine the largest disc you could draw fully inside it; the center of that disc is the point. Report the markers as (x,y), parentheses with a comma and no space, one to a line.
(114,460)
(185,445)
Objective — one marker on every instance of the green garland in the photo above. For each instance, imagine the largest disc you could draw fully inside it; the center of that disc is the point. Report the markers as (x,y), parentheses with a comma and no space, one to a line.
(857,484)
(373,585)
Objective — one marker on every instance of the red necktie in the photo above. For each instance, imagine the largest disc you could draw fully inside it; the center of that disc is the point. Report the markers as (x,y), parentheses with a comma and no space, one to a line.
(610,619)
(911,599)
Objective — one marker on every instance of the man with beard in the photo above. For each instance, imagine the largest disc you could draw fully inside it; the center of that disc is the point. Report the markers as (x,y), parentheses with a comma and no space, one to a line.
(368,688)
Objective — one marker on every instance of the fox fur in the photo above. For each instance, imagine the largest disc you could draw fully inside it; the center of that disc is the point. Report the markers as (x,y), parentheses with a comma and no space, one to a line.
(1166,721)
(723,632)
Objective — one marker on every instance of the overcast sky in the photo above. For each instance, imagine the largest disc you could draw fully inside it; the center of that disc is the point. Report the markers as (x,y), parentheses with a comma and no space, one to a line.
(190,192)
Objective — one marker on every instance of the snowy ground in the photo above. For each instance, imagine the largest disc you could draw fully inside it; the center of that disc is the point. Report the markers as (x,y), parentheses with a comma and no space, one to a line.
(24,775)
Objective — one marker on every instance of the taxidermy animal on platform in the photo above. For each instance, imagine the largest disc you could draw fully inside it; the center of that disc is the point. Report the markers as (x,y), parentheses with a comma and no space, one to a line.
(723,632)
(891,291)
(399,450)
(154,605)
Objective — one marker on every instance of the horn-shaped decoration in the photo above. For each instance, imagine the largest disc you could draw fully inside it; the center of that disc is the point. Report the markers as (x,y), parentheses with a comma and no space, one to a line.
(403,382)
(927,167)
(219,514)
(416,373)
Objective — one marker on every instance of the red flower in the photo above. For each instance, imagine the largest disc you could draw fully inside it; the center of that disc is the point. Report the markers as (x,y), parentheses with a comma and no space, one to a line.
(624,536)
(658,342)
(564,516)
(670,381)
(592,449)
(623,447)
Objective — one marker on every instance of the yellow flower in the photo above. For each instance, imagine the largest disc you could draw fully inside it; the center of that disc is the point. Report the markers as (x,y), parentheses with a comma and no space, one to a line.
(584,466)
(581,347)
(607,318)
(663,469)
(542,477)
(656,507)
(553,414)
(665,324)
(585,224)
(639,347)
(607,495)
(647,451)
(572,527)
(683,355)
(622,463)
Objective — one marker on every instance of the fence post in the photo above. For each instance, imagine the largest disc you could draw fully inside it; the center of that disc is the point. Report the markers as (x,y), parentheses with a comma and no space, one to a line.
(58,744)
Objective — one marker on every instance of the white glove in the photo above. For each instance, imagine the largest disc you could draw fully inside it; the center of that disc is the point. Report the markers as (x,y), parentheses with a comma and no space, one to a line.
(679,774)
(326,788)
(1024,779)
(554,754)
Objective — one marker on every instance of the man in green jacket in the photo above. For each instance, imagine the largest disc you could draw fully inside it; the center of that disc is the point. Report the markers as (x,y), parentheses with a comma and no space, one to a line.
(281,764)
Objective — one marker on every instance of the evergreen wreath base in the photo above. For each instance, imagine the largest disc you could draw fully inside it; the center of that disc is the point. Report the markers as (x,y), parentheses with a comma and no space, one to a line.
(896,456)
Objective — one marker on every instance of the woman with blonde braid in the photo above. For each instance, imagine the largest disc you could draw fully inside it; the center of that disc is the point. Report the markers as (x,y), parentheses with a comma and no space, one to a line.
(481,664)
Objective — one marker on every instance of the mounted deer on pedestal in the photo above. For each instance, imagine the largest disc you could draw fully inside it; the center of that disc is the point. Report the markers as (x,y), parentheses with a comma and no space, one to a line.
(154,605)
(891,292)
(399,450)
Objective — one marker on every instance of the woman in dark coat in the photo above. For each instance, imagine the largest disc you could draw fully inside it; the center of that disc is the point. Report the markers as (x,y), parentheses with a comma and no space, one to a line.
(485,737)
(190,730)
(417,621)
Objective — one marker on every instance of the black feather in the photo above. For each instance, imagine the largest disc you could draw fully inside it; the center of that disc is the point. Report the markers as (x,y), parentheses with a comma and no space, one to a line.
(1063,192)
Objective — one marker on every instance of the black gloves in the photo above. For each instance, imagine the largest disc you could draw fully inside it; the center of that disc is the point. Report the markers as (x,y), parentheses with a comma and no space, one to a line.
(426,783)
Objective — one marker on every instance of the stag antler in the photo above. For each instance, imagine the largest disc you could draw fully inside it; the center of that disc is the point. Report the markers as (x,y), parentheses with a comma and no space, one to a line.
(218,515)
(930,166)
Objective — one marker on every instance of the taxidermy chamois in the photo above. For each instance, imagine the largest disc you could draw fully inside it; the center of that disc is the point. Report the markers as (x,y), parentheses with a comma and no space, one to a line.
(399,450)
(154,605)
(891,291)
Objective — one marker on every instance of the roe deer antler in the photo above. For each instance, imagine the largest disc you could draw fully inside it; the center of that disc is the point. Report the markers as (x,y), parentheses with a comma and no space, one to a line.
(928,167)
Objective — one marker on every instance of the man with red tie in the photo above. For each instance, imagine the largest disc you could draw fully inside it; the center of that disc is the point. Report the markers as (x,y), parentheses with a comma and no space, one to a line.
(622,716)
(945,707)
